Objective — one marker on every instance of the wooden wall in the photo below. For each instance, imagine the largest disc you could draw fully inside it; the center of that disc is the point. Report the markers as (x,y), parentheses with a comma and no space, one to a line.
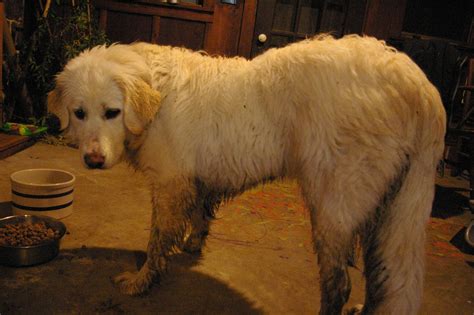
(213,26)
(384,18)
(227,29)
(2,21)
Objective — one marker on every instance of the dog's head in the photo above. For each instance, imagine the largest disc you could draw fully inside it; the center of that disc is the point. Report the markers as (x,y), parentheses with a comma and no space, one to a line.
(102,98)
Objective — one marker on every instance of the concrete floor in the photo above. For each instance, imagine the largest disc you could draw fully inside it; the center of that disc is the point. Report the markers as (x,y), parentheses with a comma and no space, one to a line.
(258,259)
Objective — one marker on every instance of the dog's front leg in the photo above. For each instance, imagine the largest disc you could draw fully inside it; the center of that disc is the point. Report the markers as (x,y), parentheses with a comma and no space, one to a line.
(172,202)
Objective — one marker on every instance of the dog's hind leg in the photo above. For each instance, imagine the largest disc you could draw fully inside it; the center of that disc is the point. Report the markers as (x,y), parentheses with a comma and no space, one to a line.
(172,202)
(394,242)
(340,200)
(334,228)
(333,250)
(198,231)
(206,205)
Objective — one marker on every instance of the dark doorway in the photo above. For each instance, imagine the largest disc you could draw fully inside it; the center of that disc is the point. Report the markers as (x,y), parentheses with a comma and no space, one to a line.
(280,22)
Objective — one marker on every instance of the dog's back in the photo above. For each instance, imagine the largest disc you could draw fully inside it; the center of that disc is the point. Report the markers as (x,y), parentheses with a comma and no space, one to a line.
(310,103)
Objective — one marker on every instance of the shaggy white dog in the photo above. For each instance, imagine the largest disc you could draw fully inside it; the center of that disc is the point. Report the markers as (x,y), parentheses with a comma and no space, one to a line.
(354,121)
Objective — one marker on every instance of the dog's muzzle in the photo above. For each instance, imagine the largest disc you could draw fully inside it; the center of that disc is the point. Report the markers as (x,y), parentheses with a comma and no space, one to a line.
(94,160)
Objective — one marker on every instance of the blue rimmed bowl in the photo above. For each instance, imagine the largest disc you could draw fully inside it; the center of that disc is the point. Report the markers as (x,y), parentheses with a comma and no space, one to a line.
(46,192)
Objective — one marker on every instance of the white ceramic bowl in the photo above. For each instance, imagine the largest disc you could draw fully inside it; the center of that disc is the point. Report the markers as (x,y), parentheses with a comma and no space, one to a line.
(47,192)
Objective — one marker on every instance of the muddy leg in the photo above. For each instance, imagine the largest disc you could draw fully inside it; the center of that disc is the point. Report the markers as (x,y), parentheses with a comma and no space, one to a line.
(170,219)
(333,252)
(206,205)
(199,231)
(336,216)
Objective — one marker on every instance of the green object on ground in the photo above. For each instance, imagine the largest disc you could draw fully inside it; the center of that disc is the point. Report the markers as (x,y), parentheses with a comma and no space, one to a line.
(22,129)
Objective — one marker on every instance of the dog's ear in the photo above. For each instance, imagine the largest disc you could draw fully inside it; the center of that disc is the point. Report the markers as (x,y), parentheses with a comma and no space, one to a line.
(57,108)
(141,105)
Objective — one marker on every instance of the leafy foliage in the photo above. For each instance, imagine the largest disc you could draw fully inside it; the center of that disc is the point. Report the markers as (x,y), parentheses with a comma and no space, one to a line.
(67,30)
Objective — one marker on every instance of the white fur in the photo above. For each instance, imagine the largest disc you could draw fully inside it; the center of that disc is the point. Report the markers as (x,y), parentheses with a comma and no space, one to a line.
(341,116)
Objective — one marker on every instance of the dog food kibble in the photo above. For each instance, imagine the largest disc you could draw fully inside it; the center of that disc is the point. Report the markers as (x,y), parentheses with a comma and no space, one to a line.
(26,234)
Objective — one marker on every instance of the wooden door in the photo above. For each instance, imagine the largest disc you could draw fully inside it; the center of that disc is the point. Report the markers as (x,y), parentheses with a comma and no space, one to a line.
(210,25)
(280,22)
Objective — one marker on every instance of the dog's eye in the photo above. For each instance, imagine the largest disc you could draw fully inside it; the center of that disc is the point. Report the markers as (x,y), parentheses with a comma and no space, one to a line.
(80,114)
(112,113)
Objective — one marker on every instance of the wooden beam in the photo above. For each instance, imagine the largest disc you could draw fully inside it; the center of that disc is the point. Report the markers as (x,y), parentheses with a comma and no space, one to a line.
(2,95)
(11,144)
(247,28)
(103,19)
(384,18)
(183,12)
(155,31)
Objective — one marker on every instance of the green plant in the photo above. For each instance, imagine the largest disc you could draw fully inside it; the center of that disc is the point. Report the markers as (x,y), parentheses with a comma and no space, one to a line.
(64,29)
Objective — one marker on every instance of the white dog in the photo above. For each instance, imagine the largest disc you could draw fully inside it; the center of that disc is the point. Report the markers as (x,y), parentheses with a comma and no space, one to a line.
(354,121)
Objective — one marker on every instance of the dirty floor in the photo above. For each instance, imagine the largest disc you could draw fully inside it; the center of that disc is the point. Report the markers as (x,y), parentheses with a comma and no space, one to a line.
(258,258)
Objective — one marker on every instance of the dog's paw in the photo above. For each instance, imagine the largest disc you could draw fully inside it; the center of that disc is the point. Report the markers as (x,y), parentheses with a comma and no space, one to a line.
(356,310)
(133,283)
(193,244)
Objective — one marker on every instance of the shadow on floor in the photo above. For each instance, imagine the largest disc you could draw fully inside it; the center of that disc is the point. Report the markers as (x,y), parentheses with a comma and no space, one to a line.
(448,202)
(5,209)
(78,281)
(460,243)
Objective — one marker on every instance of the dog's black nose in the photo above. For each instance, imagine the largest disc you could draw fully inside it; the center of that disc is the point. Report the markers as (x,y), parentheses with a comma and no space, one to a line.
(94,160)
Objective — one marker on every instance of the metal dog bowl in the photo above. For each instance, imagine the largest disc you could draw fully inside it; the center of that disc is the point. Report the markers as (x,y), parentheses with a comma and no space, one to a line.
(31,255)
(469,234)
